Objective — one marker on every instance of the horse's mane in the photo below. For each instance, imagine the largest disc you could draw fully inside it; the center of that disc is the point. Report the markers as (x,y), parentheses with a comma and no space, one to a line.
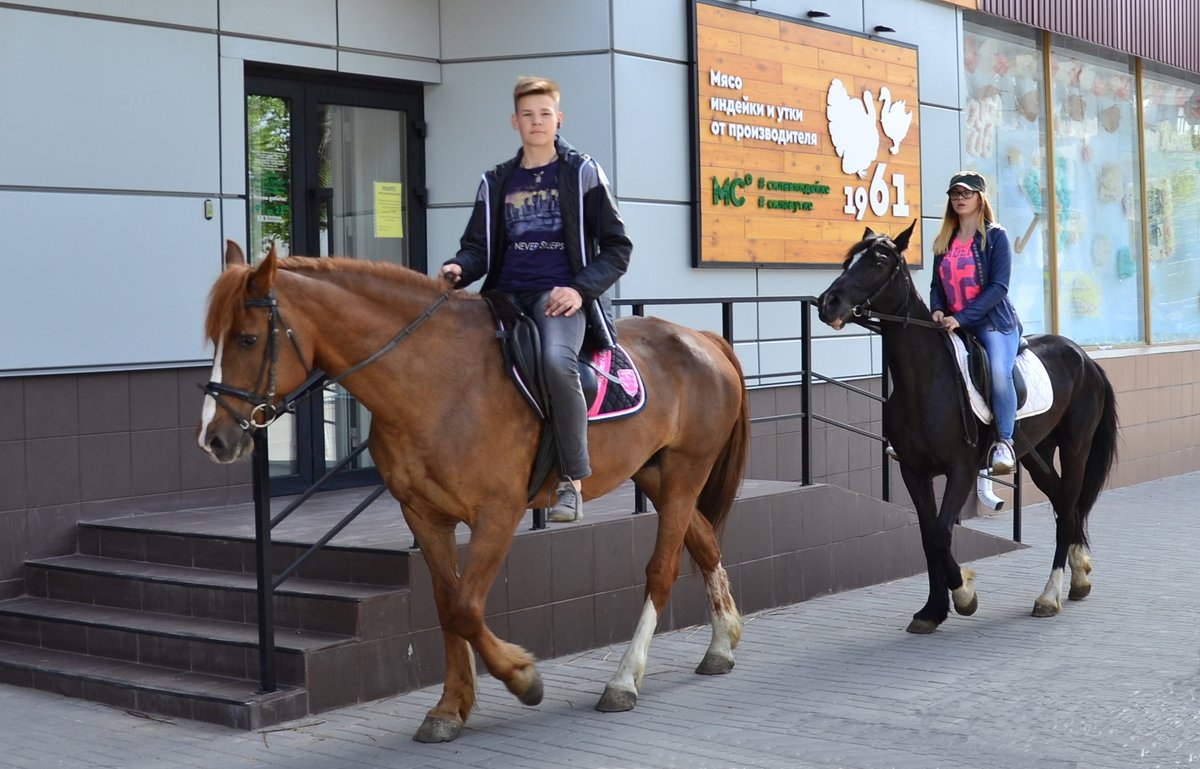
(226,303)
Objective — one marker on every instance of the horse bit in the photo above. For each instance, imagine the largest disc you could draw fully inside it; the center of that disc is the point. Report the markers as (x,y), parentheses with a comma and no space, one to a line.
(265,413)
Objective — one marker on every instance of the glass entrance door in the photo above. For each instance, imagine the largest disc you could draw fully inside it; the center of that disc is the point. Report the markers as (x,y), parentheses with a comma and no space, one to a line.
(334,170)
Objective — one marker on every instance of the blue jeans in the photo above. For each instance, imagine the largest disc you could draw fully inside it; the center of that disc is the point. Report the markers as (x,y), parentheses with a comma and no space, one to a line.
(562,338)
(1002,353)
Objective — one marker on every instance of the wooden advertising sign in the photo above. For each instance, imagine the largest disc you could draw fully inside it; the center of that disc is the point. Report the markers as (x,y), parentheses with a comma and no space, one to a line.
(806,136)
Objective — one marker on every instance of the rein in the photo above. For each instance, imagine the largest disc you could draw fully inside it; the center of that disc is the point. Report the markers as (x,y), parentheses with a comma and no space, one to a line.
(874,320)
(265,412)
(867,315)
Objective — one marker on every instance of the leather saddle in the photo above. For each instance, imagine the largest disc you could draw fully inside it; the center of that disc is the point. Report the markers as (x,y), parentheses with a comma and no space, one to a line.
(981,372)
(608,395)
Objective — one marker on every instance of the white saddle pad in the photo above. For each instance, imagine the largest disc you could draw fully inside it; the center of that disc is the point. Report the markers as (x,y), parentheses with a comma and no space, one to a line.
(1040,395)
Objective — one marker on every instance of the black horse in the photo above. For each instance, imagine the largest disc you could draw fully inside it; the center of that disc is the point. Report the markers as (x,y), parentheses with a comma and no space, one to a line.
(930,435)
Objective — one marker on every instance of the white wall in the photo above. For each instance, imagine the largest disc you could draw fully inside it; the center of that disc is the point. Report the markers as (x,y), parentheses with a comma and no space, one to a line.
(121,119)
(129,115)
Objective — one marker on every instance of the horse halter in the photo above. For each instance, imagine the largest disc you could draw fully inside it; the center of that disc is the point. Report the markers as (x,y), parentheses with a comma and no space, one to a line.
(265,412)
(865,314)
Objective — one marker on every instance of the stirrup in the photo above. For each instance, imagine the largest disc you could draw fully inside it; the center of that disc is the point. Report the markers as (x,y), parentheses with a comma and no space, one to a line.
(1004,459)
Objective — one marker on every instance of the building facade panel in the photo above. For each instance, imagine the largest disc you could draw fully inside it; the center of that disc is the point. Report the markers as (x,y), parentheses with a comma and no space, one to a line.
(407,28)
(131,118)
(307,21)
(80,135)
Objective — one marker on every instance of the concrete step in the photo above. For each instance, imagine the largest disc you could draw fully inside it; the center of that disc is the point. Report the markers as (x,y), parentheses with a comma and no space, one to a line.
(151,539)
(141,688)
(366,611)
(200,645)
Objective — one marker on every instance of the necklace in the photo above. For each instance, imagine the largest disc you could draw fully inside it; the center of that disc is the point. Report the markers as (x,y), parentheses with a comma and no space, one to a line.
(538,172)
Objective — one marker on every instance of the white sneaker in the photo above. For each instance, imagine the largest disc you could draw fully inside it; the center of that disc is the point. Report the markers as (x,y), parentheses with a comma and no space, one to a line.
(569,507)
(1003,461)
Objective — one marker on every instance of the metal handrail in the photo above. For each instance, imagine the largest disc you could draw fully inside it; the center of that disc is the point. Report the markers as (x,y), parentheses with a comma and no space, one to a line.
(264,523)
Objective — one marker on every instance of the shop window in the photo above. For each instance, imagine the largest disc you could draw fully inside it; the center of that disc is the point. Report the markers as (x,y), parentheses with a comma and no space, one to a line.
(1097,188)
(1004,139)
(1172,130)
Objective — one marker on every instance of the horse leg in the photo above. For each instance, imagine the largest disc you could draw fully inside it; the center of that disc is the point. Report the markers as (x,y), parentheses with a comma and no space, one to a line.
(920,489)
(1081,567)
(674,515)
(701,542)
(508,663)
(944,572)
(1064,497)
(960,486)
(460,602)
(445,720)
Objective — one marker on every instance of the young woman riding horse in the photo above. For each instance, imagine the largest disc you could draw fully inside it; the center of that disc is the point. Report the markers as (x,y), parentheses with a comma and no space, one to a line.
(455,443)
(922,422)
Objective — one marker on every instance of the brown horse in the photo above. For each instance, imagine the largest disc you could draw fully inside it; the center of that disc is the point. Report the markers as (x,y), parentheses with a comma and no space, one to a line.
(455,443)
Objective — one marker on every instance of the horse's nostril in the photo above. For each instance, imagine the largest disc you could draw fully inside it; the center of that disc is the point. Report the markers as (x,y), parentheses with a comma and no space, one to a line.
(216,445)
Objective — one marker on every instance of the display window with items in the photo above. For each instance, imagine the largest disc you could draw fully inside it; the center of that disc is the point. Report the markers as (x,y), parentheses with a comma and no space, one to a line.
(1097,188)
(1106,247)
(1004,133)
(1171,122)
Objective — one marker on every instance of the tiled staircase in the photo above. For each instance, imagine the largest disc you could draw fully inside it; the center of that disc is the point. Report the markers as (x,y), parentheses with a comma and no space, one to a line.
(165,624)
(156,612)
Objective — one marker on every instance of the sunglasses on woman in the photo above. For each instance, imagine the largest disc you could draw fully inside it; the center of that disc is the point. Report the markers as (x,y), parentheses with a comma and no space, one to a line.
(961,194)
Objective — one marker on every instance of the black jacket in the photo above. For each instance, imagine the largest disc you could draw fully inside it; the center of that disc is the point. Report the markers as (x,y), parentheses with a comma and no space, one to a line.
(593,233)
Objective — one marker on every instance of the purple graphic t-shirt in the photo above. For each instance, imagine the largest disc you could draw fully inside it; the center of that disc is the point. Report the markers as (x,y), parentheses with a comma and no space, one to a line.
(957,271)
(536,259)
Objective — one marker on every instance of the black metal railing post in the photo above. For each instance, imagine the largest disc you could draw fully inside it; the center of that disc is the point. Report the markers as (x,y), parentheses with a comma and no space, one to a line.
(262,554)
(639,498)
(885,386)
(806,421)
(1017,504)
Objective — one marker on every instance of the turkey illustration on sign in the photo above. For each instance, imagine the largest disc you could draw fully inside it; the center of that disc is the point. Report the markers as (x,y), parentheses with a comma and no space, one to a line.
(852,125)
(852,128)
(894,119)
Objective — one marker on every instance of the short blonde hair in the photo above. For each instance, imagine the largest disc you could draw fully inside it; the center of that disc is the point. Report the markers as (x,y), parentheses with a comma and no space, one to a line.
(529,85)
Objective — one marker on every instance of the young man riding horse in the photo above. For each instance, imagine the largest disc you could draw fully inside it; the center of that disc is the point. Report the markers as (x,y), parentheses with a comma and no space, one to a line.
(546,231)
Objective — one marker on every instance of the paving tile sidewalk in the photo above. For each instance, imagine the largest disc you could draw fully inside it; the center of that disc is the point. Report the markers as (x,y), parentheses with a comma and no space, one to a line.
(833,682)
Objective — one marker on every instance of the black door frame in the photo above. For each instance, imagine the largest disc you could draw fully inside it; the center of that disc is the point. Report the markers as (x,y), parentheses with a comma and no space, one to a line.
(306,89)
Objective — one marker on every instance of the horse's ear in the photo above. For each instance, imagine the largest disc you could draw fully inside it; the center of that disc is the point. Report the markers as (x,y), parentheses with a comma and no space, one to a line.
(868,233)
(234,255)
(902,239)
(264,276)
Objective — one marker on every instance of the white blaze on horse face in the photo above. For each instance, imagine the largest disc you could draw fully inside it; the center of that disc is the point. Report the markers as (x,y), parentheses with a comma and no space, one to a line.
(854,259)
(210,403)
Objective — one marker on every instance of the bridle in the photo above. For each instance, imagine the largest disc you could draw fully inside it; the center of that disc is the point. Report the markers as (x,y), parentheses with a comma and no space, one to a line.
(865,315)
(874,320)
(264,411)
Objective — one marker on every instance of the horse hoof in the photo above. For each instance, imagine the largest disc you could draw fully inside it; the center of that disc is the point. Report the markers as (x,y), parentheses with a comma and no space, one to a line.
(921,626)
(1080,592)
(1045,610)
(970,608)
(616,700)
(437,729)
(714,665)
(534,692)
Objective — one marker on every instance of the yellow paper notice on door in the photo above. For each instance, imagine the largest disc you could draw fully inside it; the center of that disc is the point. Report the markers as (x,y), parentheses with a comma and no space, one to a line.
(389,210)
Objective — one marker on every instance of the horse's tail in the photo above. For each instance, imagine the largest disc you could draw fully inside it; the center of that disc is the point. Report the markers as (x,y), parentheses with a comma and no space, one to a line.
(720,490)
(1100,459)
